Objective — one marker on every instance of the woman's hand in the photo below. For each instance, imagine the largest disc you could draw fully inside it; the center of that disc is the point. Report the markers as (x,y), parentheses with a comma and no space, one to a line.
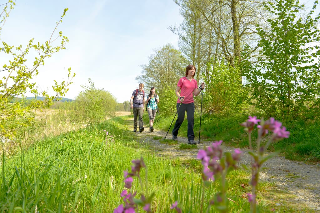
(201,87)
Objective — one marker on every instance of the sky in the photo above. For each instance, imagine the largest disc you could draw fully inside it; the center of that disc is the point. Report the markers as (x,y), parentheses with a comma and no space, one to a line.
(109,40)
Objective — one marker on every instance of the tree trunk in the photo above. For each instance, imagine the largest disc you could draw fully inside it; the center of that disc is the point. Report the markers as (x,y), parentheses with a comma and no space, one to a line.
(235,29)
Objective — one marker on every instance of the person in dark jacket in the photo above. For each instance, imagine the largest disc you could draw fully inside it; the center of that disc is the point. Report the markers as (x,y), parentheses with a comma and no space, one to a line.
(137,104)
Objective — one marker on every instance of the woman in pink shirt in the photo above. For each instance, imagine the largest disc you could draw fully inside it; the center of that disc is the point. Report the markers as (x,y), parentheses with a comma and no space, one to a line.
(186,88)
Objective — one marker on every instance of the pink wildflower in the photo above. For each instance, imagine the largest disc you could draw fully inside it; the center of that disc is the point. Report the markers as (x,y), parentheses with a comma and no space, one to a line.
(129,210)
(128,182)
(124,193)
(208,174)
(138,164)
(125,174)
(251,197)
(253,120)
(281,133)
(202,155)
(174,205)
(147,207)
(119,209)
(236,154)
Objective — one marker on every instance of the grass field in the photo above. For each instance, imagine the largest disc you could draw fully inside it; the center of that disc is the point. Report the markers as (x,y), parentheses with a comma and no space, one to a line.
(82,171)
(303,143)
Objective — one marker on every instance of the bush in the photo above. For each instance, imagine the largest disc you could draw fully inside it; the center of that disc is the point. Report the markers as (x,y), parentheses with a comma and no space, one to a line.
(94,105)
(224,90)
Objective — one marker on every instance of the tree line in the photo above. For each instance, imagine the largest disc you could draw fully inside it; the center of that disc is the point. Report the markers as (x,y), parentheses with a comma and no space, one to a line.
(261,53)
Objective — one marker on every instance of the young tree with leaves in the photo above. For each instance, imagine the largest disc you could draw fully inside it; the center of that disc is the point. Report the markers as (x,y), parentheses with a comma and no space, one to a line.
(163,71)
(286,79)
(17,78)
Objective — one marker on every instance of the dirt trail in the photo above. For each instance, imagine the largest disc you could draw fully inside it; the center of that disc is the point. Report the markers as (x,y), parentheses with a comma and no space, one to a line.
(299,181)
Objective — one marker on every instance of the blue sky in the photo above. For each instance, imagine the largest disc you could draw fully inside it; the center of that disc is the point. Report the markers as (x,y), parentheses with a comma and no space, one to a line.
(109,40)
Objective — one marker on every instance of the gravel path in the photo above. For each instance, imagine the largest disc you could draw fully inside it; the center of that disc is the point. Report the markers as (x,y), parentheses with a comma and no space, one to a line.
(300,181)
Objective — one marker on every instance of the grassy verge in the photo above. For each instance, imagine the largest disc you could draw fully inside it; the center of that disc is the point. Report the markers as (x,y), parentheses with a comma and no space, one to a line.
(82,171)
(303,143)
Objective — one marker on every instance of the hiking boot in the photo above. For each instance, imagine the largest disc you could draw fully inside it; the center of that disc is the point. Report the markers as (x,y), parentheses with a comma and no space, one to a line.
(174,137)
(134,130)
(141,130)
(151,128)
(192,142)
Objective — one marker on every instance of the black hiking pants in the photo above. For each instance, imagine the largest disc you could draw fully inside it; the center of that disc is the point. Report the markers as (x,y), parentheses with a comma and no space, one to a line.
(189,108)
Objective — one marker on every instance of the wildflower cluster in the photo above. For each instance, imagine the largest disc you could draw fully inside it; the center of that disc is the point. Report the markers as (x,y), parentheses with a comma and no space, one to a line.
(217,164)
(278,132)
(132,203)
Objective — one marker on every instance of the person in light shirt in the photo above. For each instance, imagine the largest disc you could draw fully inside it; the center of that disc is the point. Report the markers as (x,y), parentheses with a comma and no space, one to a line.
(152,106)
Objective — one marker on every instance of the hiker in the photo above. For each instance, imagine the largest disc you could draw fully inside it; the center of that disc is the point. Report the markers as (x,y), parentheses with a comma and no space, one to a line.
(186,88)
(152,106)
(137,104)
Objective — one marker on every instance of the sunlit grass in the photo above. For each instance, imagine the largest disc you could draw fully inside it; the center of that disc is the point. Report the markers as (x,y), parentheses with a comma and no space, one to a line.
(303,143)
(187,146)
(82,171)
(168,141)
(157,137)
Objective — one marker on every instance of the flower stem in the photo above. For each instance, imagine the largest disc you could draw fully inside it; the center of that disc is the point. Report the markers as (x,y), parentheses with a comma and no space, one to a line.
(224,188)
(202,198)
(250,145)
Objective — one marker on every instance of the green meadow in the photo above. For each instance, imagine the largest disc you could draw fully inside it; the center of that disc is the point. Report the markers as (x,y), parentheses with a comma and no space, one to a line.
(82,171)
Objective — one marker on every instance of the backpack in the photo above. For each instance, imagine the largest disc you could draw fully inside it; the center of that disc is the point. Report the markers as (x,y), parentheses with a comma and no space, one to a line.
(135,95)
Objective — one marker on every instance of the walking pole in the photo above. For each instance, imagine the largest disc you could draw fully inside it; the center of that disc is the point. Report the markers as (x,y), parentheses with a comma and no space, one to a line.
(200,114)
(173,119)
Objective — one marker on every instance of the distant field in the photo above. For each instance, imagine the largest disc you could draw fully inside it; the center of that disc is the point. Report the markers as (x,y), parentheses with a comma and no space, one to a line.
(122,113)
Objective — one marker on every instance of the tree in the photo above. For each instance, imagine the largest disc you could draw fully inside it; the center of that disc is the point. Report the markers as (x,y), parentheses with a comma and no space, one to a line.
(165,67)
(164,70)
(126,106)
(221,28)
(17,75)
(192,36)
(286,80)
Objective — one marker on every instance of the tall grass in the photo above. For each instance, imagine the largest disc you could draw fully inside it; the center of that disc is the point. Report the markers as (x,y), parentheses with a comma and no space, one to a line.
(303,143)
(82,171)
